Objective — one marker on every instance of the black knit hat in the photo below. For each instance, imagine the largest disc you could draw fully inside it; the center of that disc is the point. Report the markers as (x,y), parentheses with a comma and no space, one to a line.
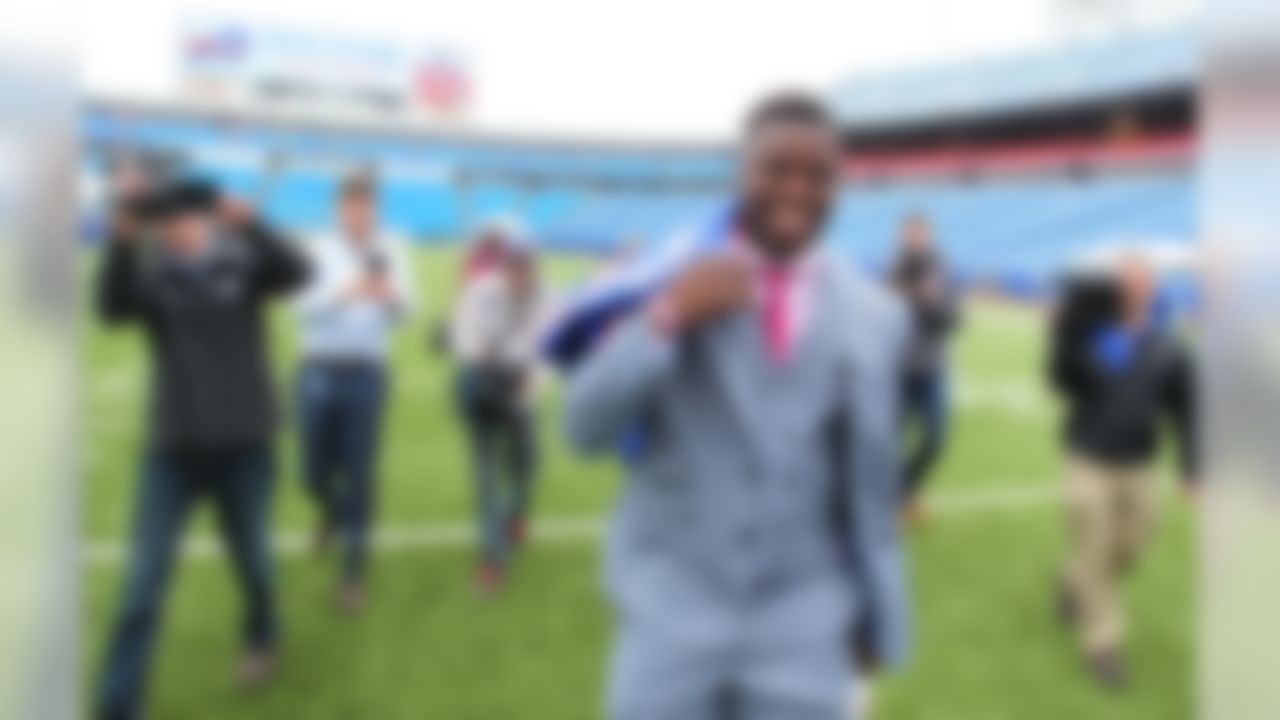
(177,198)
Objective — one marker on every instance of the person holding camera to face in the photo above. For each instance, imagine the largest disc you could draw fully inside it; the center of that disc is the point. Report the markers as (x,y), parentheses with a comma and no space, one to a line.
(920,277)
(195,272)
(495,342)
(359,292)
(1120,371)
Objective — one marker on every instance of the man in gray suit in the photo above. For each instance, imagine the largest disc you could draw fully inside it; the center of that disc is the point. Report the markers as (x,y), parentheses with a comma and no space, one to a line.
(754,558)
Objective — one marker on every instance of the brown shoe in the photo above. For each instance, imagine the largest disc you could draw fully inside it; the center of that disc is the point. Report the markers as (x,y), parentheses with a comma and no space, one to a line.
(488,578)
(914,514)
(352,597)
(1108,668)
(257,667)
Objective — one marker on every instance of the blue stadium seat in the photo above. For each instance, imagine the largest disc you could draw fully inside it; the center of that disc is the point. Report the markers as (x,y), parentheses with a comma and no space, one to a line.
(1023,228)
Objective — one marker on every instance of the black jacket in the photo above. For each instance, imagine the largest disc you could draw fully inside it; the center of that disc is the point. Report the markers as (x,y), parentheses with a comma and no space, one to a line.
(1114,416)
(932,319)
(210,382)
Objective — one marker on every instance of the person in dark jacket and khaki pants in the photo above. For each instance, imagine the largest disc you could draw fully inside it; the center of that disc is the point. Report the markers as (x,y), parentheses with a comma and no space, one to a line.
(196,272)
(1120,375)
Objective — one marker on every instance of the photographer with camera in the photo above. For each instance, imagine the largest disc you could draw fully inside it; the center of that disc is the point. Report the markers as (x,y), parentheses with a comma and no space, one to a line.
(495,342)
(1119,370)
(359,292)
(195,271)
(920,277)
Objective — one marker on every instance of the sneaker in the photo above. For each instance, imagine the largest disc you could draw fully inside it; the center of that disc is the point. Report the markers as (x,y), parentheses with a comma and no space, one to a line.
(1068,605)
(488,577)
(1108,668)
(914,514)
(257,667)
(352,597)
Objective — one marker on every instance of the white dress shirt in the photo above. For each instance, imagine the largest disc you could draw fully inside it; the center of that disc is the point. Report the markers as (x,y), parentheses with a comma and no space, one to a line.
(337,327)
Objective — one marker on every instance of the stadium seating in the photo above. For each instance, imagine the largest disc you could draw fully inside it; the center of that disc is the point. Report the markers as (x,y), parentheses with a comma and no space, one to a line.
(1021,228)
(1014,230)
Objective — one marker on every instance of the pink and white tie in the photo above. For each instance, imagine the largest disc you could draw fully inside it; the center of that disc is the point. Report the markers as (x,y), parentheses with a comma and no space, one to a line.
(776,314)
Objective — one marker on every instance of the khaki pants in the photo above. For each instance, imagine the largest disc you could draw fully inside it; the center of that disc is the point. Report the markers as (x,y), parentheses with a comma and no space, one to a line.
(1111,509)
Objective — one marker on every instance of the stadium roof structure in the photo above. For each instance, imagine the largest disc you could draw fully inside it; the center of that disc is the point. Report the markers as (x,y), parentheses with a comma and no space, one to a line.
(294,119)
(249,136)
(1081,72)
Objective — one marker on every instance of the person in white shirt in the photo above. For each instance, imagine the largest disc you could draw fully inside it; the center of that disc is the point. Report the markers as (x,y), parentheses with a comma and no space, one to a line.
(359,291)
(494,339)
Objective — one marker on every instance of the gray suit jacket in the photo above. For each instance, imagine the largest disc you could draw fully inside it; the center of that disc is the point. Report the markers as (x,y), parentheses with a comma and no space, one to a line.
(761,516)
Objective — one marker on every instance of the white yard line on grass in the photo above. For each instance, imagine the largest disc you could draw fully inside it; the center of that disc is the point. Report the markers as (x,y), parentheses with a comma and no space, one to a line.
(563,529)
(1023,400)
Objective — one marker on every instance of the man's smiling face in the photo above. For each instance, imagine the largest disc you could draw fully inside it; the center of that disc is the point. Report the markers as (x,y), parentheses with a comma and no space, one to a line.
(790,175)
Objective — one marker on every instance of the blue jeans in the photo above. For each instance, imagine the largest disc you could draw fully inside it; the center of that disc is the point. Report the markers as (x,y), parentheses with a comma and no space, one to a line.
(503,463)
(239,484)
(925,402)
(340,414)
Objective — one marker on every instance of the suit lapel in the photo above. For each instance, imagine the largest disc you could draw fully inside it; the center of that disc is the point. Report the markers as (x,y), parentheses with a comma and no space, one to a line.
(735,345)
(729,343)
(820,325)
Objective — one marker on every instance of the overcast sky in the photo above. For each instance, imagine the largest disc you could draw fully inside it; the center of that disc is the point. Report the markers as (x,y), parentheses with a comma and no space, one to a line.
(650,68)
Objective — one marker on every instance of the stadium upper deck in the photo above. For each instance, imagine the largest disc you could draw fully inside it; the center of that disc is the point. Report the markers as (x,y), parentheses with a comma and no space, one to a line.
(1118,69)
(1017,177)
(435,186)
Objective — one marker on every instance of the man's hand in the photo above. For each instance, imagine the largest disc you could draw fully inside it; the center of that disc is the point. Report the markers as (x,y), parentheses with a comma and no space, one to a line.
(707,289)
(234,211)
(369,286)
(127,186)
(357,290)
(129,183)
(865,659)
(931,288)
(124,225)
(529,387)
(1191,490)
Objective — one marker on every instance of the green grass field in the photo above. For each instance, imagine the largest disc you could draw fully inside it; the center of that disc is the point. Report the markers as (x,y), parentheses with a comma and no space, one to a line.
(987,644)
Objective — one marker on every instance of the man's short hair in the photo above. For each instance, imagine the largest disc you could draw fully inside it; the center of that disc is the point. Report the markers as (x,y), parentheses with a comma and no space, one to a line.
(359,186)
(791,106)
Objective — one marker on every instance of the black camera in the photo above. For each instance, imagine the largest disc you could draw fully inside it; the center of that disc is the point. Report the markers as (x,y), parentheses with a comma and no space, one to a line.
(1087,302)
